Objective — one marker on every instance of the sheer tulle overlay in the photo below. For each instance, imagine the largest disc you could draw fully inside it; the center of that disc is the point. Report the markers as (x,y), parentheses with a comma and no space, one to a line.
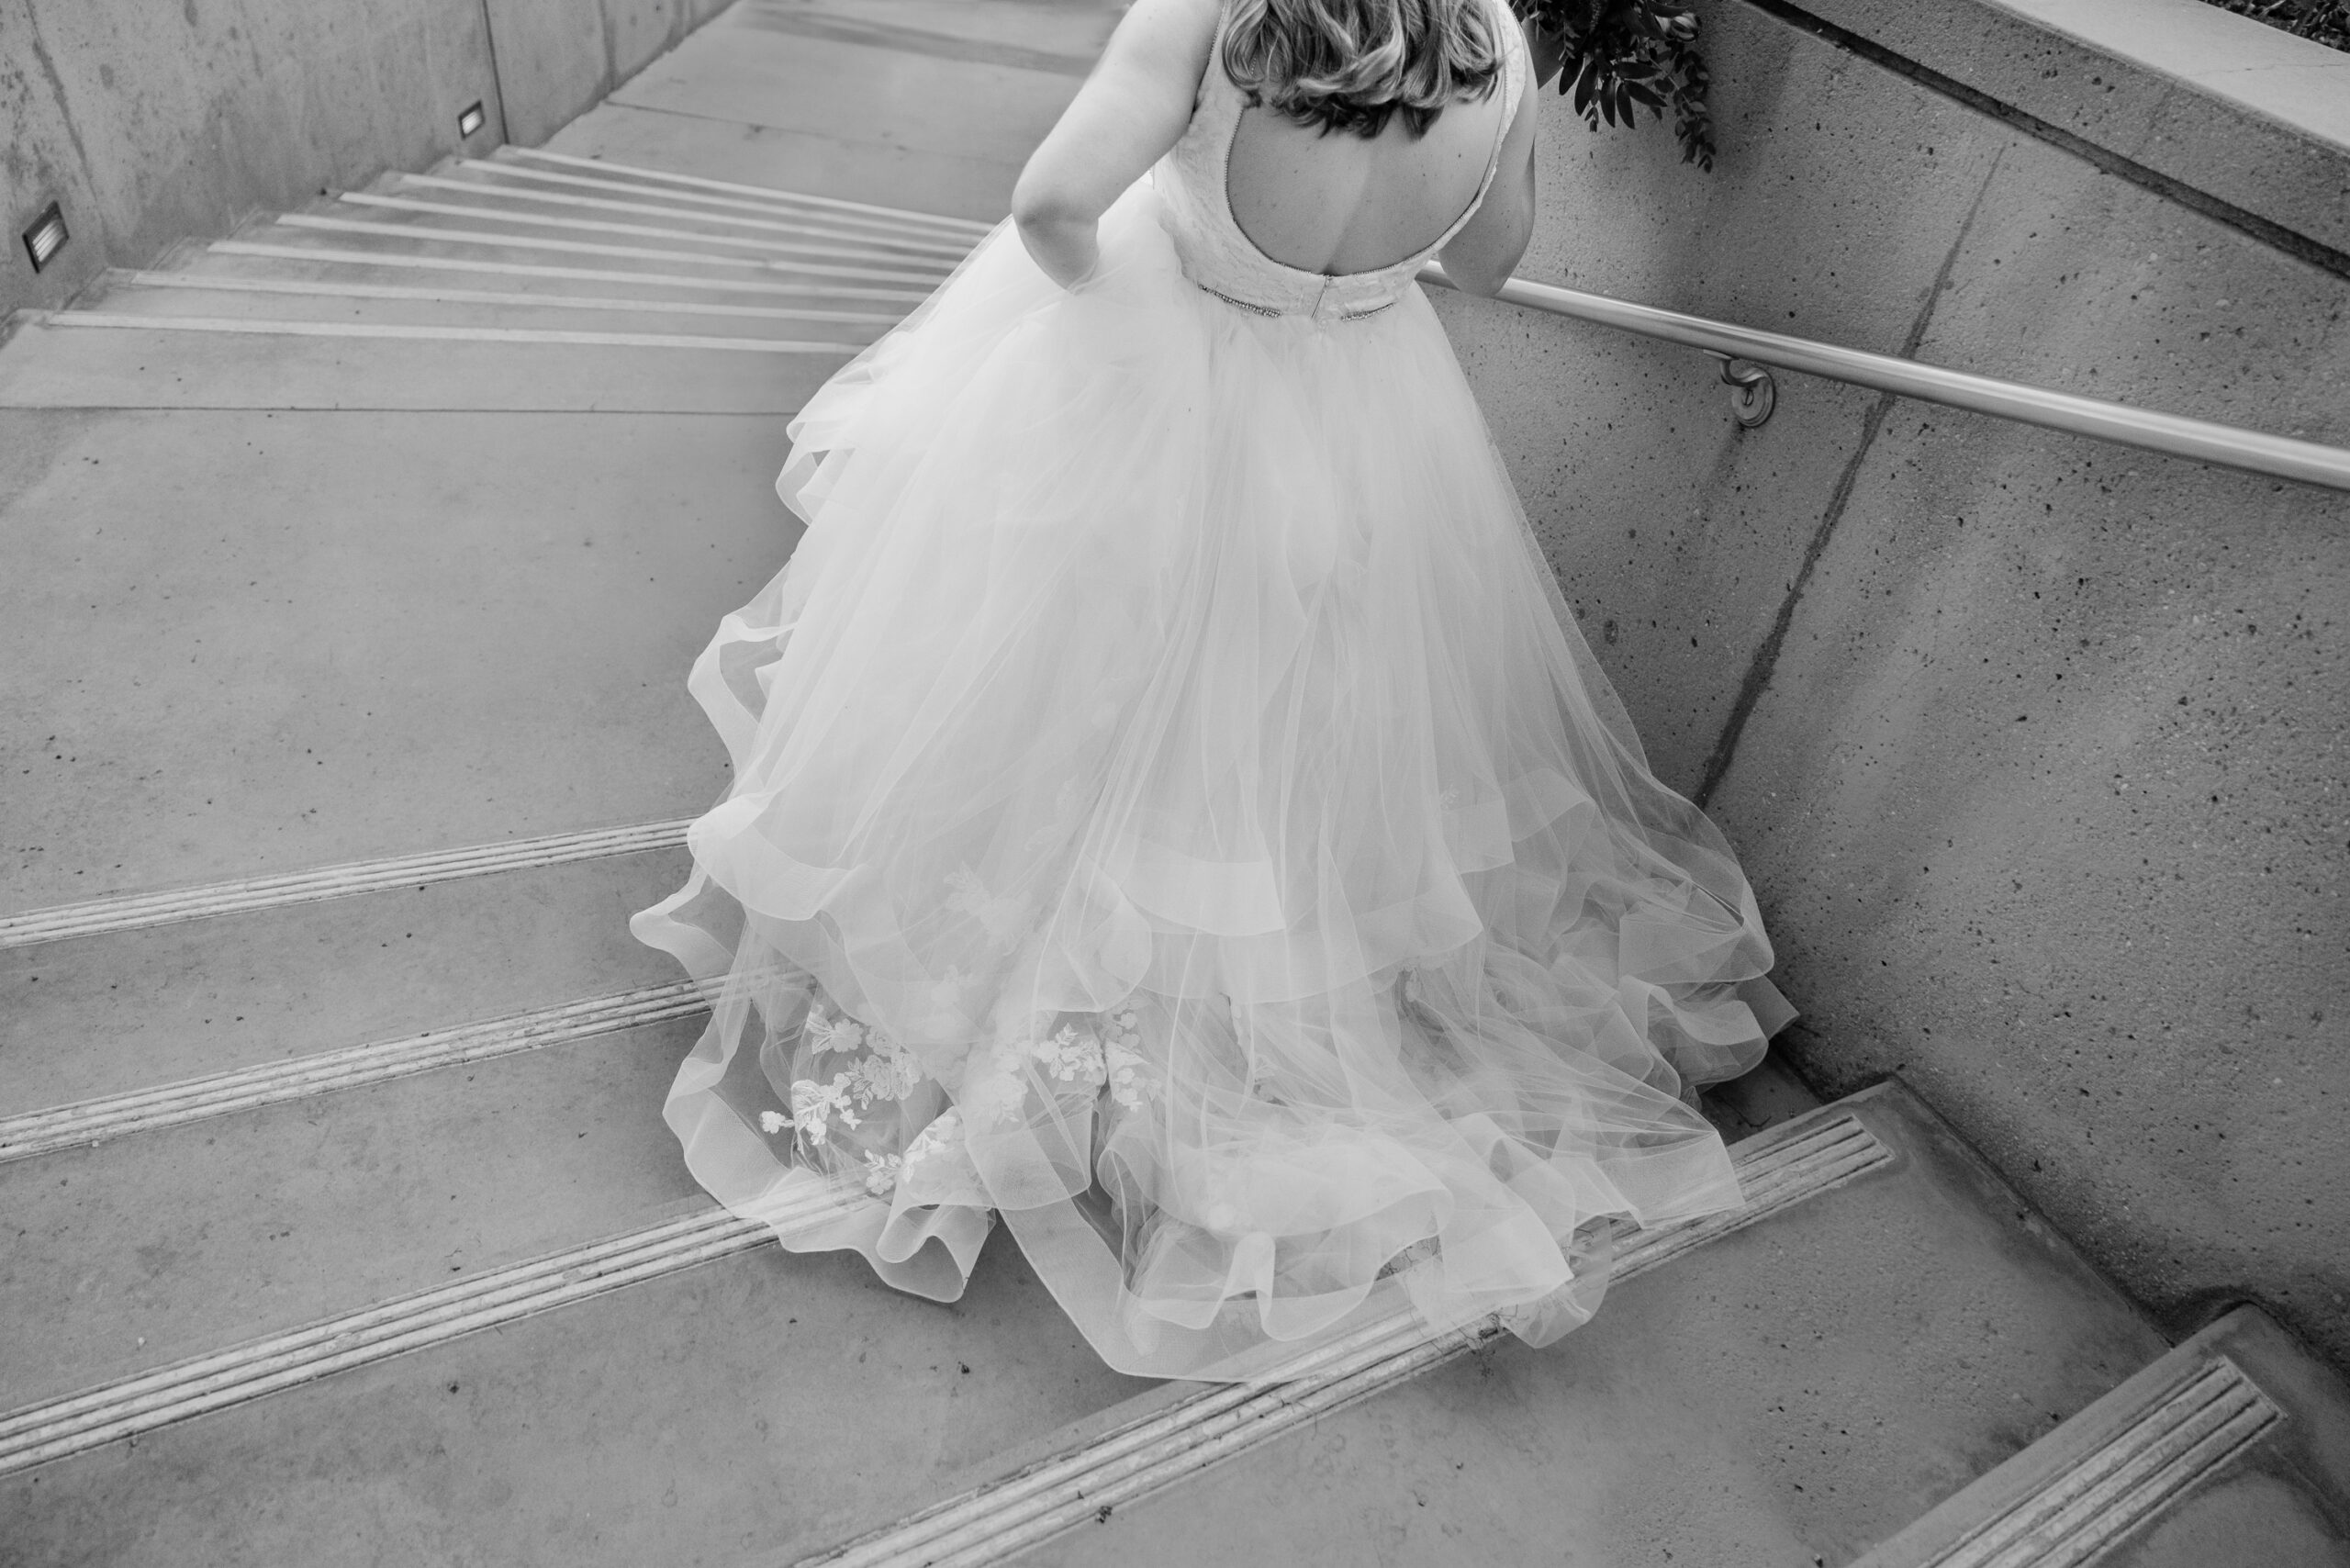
(1174,813)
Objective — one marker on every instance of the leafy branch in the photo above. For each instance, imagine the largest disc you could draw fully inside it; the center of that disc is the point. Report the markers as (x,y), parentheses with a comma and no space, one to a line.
(1620,56)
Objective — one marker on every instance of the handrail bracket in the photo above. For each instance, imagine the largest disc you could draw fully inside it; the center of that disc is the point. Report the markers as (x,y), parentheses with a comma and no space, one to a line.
(1752,394)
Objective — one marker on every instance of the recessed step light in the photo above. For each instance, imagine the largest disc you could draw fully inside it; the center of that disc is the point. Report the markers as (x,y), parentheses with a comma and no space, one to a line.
(470,119)
(46,237)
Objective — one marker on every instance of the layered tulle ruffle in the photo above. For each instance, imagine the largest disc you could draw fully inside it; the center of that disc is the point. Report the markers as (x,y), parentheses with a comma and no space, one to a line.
(1174,813)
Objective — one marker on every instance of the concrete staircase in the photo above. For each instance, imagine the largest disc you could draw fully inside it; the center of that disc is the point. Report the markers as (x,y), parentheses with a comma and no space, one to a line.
(352,567)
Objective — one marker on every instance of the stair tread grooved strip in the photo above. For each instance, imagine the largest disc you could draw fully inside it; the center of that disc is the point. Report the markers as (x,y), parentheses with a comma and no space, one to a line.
(101,321)
(867,253)
(962,230)
(86,1122)
(218,284)
(570,159)
(883,242)
(2198,1422)
(415,234)
(261,249)
(216,1380)
(132,912)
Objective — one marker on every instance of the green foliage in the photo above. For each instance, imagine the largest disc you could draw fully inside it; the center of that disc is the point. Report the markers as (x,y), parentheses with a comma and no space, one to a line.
(2325,21)
(1625,55)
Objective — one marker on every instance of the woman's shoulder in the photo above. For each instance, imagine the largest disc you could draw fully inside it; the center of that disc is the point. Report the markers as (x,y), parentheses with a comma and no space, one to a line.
(1191,22)
(1170,40)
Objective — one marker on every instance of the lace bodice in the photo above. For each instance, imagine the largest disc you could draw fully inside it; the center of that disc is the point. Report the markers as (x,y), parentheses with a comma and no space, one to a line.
(1222,259)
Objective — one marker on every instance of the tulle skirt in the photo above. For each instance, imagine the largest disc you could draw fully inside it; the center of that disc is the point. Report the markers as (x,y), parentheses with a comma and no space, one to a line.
(1174,813)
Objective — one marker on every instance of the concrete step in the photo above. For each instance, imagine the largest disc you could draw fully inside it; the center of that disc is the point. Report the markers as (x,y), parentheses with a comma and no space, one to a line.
(1786,1396)
(307,256)
(115,1012)
(699,1415)
(846,256)
(2232,1452)
(292,299)
(392,233)
(552,192)
(877,32)
(84,360)
(950,182)
(147,1248)
(859,1373)
(735,70)
(520,169)
(1060,39)
(358,635)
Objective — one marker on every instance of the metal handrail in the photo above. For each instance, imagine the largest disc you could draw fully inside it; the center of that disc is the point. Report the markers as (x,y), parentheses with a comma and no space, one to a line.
(2280,456)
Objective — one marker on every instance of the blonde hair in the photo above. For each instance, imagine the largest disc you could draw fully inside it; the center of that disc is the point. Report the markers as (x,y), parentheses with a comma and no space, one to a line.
(1348,64)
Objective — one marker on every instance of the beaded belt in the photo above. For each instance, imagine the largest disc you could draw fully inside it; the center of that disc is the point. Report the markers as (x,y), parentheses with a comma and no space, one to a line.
(1250,305)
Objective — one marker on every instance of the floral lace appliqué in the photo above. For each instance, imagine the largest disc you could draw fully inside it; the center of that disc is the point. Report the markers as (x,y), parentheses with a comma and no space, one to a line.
(887,1070)
(1107,1056)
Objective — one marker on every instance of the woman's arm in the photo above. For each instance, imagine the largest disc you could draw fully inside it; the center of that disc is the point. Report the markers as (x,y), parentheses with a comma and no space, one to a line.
(1130,111)
(1481,257)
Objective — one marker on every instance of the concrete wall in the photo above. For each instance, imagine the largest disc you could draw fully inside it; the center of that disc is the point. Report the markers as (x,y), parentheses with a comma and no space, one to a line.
(152,122)
(2040,766)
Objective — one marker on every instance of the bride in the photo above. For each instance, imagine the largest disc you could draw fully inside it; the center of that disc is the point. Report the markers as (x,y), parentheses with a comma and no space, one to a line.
(1173,813)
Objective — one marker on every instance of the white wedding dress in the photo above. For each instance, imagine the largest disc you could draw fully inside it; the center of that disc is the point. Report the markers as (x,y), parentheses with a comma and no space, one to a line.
(1175,816)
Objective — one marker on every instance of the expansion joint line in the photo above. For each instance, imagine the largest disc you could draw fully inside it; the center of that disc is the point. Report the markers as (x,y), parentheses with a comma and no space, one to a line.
(1765,662)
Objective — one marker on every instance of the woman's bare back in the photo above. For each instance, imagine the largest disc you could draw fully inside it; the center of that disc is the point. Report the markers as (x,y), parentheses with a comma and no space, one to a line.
(1341,202)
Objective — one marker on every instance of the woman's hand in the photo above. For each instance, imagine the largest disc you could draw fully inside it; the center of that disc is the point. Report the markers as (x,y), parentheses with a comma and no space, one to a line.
(1131,109)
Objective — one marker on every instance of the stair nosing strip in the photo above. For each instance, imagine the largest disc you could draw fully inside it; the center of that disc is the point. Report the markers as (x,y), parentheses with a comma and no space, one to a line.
(307,289)
(85,1122)
(1811,1156)
(243,1386)
(585,248)
(523,269)
(947,1524)
(1229,1432)
(848,252)
(132,912)
(2205,1416)
(144,1402)
(701,182)
(407,331)
(2133,1499)
(435,1302)
(886,243)
(964,229)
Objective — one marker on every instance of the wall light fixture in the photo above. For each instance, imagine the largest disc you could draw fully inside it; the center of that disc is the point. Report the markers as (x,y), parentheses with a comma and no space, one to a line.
(46,237)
